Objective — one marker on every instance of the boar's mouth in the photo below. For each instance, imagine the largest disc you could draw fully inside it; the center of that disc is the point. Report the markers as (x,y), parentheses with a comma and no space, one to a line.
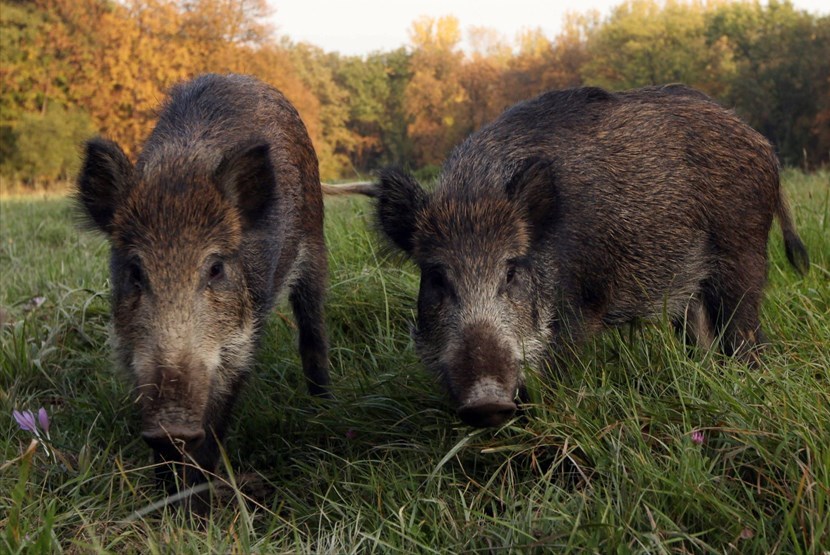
(173,439)
(488,413)
(487,403)
(172,424)
(174,401)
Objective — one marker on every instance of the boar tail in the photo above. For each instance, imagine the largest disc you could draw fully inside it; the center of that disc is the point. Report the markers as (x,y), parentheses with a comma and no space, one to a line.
(366,188)
(796,252)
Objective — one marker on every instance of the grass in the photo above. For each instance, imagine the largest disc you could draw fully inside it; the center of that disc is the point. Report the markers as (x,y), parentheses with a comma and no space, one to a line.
(603,461)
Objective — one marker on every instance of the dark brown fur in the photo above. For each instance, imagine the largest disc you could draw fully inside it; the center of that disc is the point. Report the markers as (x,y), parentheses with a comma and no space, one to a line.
(222,212)
(579,210)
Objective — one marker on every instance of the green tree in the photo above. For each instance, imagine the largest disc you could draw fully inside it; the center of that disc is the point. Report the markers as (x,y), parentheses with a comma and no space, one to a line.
(316,69)
(47,144)
(398,143)
(377,121)
(781,74)
(646,42)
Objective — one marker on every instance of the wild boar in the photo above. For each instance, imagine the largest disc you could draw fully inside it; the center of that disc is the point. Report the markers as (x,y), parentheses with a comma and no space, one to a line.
(580,210)
(221,213)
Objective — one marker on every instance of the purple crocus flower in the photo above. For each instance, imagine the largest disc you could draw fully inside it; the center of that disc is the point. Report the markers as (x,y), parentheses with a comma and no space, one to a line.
(43,420)
(26,420)
(697,437)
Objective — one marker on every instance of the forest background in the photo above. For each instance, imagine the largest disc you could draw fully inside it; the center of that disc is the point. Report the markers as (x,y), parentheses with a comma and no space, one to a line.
(73,68)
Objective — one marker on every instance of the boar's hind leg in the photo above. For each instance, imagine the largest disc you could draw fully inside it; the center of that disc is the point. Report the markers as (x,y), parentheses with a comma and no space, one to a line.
(307,295)
(695,326)
(733,300)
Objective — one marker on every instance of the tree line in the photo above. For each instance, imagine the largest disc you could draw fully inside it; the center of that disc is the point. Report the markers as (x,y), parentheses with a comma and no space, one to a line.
(73,68)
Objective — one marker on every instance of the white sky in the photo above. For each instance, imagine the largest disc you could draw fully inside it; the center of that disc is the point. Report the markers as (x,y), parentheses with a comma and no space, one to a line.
(364,26)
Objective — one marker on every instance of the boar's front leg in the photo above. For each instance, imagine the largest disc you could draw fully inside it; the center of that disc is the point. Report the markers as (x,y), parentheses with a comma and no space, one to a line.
(574,323)
(307,295)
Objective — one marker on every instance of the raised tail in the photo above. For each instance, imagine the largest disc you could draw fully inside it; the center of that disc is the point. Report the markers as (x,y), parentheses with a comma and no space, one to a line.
(796,252)
(366,188)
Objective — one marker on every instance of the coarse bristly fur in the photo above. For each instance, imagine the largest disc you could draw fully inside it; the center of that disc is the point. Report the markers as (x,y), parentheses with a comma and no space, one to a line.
(221,213)
(583,209)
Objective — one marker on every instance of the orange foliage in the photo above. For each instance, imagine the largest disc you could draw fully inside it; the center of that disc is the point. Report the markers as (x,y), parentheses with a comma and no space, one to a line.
(115,60)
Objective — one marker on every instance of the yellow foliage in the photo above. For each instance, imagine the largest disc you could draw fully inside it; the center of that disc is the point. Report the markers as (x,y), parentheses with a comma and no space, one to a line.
(115,60)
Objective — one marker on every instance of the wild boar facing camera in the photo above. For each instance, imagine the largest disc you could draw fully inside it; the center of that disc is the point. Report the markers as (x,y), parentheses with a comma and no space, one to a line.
(220,214)
(579,210)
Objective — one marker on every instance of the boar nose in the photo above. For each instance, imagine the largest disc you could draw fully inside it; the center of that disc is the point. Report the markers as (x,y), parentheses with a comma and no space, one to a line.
(175,437)
(485,413)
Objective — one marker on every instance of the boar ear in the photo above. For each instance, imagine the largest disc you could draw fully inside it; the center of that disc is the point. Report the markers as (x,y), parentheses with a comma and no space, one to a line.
(533,189)
(247,178)
(399,199)
(104,179)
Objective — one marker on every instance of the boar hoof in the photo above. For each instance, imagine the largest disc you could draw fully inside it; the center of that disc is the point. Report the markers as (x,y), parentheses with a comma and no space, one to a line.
(487,413)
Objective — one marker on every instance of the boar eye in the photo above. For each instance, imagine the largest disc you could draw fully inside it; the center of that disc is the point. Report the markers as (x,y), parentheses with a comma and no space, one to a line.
(435,280)
(511,273)
(435,285)
(435,289)
(216,271)
(135,276)
(514,267)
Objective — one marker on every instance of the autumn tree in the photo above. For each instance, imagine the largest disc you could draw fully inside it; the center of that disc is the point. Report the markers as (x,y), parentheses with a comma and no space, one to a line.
(331,139)
(434,94)
(570,50)
(24,73)
(71,67)
(524,76)
(481,77)
(217,32)
(274,64)
(541,63)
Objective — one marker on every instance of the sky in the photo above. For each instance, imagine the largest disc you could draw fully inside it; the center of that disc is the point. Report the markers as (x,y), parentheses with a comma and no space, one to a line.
(359,27)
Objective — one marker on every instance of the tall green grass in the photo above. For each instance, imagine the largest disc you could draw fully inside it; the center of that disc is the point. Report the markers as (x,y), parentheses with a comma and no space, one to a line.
(602,462)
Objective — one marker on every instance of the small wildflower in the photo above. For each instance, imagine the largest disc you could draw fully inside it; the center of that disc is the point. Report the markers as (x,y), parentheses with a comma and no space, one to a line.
(43,420)
(34,302)
(351,434)
(26,421)
(697,437)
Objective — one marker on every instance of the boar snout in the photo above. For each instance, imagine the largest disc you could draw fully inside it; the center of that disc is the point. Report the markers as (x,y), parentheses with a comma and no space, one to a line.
(174,402)
(485,375)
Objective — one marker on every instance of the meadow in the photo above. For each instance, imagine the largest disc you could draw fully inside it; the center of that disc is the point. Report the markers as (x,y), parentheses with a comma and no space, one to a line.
(638,447)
